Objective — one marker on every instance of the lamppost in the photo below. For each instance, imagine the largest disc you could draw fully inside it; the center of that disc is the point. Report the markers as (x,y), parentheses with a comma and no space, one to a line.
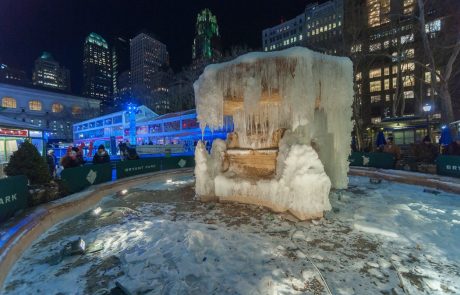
(427,109)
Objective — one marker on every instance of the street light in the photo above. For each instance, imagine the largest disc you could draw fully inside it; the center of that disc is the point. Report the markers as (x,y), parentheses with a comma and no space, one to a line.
(132,111)
(427,109)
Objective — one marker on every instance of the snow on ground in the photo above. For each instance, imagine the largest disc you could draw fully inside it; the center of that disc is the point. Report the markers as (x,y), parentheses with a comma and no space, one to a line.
(156,239)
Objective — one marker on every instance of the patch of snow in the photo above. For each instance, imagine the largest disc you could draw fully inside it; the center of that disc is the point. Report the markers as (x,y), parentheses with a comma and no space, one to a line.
(374,230)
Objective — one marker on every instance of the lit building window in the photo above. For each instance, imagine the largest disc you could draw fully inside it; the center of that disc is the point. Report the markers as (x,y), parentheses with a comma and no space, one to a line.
(394,83)
(377,12)
(428,77)
(386,84)
(408,6)
(356,48)
(375,98)
(57,108)
(358,76)
(434,26)
(409,53)
(9,102)
(408,94)
(386,71)
(76,110)
(375,73)
(408,67)
(375,46)
(376,120)
(408,80)
(407,38)
(375,86)
(35,105)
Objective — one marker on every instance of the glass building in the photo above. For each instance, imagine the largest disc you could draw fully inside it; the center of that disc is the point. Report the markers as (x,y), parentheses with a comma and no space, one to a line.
(173,129)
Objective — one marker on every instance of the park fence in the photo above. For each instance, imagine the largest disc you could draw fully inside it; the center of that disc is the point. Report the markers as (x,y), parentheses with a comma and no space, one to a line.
(14,192)
(14,195)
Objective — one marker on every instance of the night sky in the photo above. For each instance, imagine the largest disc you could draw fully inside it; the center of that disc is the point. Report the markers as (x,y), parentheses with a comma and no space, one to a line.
(28,27)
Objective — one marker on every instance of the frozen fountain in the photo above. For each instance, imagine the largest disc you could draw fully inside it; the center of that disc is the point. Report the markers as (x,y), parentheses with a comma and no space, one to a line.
(291,112)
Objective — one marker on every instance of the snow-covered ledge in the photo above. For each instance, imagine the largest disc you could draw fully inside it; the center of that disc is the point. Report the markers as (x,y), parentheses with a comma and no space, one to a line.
(291,112)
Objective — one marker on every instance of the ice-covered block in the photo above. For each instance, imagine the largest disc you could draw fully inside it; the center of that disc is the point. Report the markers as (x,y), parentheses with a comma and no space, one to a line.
(280,103)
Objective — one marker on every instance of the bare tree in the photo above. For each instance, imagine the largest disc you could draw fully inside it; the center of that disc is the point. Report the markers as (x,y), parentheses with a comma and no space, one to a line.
(354,33)
(441,55)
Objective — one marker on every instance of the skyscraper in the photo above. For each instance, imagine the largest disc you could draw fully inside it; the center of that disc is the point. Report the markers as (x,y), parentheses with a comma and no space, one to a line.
(319,27)
(206,44)
(97,70)
(148,56)
(120,60)
(48,73)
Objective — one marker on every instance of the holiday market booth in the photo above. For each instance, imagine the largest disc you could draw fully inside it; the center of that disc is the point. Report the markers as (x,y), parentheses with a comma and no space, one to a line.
(12,134)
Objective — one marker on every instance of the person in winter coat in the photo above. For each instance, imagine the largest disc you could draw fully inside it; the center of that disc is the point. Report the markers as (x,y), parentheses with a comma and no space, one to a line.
(51,161)
(80,157)
(453,149)
(70,160)
(426,151)
(391,148)
(101,156)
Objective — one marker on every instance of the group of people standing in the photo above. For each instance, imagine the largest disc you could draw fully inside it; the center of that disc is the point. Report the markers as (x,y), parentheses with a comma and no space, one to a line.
(74,158)
(425,152)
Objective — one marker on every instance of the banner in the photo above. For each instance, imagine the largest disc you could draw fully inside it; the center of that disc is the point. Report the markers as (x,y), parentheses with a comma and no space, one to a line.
(376,160)
(177,162)
(134,167)
(79,178)
(448,165)
(14,194)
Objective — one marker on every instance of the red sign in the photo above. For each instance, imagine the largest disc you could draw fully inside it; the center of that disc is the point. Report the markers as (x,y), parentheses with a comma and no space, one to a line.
(14,132)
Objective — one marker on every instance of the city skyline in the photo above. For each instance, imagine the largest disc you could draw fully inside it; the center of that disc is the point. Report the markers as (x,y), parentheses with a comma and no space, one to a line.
(61,29)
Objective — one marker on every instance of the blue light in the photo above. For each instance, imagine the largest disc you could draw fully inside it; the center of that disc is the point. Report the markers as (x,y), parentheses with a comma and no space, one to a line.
(443,127)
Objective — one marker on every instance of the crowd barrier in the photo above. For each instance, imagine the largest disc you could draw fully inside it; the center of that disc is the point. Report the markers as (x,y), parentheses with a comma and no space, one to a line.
(13,195)
(78,178)
(135,167)
(448,166)
(376,160)
(14,190)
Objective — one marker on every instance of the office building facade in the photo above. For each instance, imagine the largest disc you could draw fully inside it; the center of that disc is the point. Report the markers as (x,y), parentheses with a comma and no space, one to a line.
(97,70)
(148,56)
(49,74)
(51,112)
(319,27)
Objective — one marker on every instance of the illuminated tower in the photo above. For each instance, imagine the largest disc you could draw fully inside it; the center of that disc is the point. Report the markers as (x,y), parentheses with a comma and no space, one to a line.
(97,70)
(206,44)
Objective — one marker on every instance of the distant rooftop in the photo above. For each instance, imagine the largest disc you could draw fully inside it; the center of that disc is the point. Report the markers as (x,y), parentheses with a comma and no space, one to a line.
(46,55)
(97,39)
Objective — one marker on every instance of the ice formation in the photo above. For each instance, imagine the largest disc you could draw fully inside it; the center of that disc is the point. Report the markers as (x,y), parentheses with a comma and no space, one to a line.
(291,112)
